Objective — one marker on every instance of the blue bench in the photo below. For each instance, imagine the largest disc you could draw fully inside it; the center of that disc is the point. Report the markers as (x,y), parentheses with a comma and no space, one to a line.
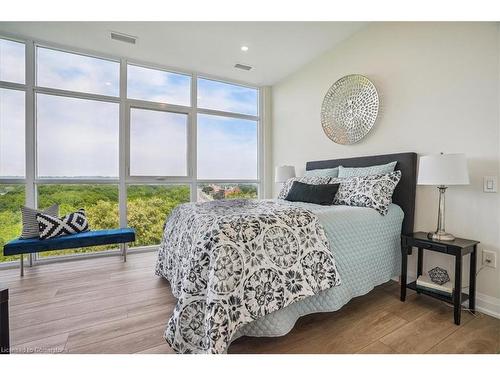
(91,238)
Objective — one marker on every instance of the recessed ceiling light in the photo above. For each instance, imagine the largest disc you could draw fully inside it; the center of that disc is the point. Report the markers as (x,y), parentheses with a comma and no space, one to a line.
(244,48)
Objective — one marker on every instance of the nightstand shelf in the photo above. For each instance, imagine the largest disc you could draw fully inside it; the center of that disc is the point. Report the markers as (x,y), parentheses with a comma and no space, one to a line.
(458,249)
(441,297)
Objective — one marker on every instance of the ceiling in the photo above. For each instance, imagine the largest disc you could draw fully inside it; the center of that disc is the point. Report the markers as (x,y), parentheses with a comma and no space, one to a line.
(276,49)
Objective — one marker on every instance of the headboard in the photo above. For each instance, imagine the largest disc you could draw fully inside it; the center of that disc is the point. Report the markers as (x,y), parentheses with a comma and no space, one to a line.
(404,195)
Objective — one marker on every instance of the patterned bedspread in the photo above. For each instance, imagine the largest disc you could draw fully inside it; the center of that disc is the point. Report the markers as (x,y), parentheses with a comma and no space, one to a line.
(232,262)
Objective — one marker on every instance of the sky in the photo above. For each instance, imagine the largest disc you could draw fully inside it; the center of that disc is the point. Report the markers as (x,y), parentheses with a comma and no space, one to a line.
(79,138)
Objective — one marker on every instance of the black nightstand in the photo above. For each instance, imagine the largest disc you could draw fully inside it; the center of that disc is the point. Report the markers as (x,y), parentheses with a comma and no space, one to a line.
(457,248)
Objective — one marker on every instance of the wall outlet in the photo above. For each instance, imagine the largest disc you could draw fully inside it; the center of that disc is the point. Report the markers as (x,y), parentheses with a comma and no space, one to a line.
(489,259)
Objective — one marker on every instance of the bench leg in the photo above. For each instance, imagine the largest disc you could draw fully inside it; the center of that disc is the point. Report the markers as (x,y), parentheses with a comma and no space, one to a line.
(21,265)
(31,259)
(124,251)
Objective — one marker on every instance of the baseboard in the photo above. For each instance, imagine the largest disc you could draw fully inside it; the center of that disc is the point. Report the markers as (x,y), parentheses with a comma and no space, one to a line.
(484,303)
(488,305)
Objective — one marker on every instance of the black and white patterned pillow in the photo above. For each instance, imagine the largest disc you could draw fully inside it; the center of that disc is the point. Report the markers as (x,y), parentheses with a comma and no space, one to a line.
(373,191)
(311,180)
(50,226)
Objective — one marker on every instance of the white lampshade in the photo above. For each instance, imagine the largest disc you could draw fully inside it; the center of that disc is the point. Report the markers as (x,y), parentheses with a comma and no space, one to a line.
(284,172)
(443,169)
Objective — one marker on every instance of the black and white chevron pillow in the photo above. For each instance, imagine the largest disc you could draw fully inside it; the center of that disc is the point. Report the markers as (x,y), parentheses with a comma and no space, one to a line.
(50,226)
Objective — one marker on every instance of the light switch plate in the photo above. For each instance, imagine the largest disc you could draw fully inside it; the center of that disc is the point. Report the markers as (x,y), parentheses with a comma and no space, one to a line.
(490,184)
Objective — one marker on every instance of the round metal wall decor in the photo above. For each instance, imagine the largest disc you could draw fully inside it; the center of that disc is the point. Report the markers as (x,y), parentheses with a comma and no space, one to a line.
(349,109)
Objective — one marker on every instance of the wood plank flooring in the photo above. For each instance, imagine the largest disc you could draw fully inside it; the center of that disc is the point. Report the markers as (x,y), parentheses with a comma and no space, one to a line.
(103,305)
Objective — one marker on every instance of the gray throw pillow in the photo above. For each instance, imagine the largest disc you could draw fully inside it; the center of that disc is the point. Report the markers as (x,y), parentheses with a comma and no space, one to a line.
(30,224)
(326,172)
(368,191)
(367,171)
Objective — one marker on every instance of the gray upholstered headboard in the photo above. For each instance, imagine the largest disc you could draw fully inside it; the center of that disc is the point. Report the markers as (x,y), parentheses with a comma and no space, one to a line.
(404,195)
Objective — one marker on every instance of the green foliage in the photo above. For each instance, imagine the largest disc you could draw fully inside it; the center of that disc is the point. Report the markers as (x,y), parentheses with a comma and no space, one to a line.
(11,201)
(244,192)
(229,191)
(207,189)
(147,208)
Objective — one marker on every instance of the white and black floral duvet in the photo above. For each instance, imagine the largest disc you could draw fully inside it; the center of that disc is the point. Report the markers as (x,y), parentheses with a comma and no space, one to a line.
(232,262)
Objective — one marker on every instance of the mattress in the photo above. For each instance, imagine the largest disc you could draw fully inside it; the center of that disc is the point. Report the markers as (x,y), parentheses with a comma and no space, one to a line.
(366,247)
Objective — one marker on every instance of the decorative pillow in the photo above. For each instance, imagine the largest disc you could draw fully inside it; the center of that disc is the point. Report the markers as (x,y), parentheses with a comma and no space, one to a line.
(50,226)
(30,224)
(307,180)
(367,171)
(326,172)
(318,194)
(368,191)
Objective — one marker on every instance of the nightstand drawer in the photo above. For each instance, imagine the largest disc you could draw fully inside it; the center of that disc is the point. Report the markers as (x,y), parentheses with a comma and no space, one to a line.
(429,246)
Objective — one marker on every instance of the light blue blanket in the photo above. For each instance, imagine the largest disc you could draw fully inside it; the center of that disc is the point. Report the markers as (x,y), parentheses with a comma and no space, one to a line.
(366,248)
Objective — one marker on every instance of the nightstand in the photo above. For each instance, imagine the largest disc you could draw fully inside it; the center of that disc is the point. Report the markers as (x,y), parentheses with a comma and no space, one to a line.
(457,248)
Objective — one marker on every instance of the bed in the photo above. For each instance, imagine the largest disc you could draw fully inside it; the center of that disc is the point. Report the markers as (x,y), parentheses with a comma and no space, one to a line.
(366,245)
(363,245)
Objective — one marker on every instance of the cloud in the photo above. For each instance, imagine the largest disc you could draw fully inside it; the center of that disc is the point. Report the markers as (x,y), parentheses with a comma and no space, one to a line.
(158,143)
(12,129)
(76,137)
(74,72)
(79,138)
(226,97)
(158,86)
(227,148)
(12,59)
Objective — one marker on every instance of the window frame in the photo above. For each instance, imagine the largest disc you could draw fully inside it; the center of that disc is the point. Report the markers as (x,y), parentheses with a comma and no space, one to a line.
(31,179)
(5,85)
(26,68)
(131,62)
(37,45)
(159,108)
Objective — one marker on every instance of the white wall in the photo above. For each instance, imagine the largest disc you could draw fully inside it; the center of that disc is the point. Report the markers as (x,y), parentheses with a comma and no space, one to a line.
(439,89)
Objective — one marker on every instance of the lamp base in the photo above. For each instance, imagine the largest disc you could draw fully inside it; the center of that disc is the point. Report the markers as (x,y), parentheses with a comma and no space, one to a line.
(441,236)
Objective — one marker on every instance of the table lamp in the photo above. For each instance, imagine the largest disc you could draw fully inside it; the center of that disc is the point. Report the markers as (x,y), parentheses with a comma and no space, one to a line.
(442,170)
(283,173)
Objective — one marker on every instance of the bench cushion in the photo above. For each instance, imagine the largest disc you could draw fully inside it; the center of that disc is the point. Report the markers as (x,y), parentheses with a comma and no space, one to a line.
(84,239)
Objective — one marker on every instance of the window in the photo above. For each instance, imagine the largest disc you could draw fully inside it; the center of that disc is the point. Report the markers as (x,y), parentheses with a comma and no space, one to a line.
(76,137)
(99,200)
(12,133)
(217,191)
(74,72)
(12,65)
(84,132)
(227,148)
(227,97)
(158,86)
(158,143)
(11,201)
(149,205)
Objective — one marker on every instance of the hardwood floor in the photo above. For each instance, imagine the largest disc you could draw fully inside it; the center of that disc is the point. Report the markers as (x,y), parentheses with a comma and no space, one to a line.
(103,305)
